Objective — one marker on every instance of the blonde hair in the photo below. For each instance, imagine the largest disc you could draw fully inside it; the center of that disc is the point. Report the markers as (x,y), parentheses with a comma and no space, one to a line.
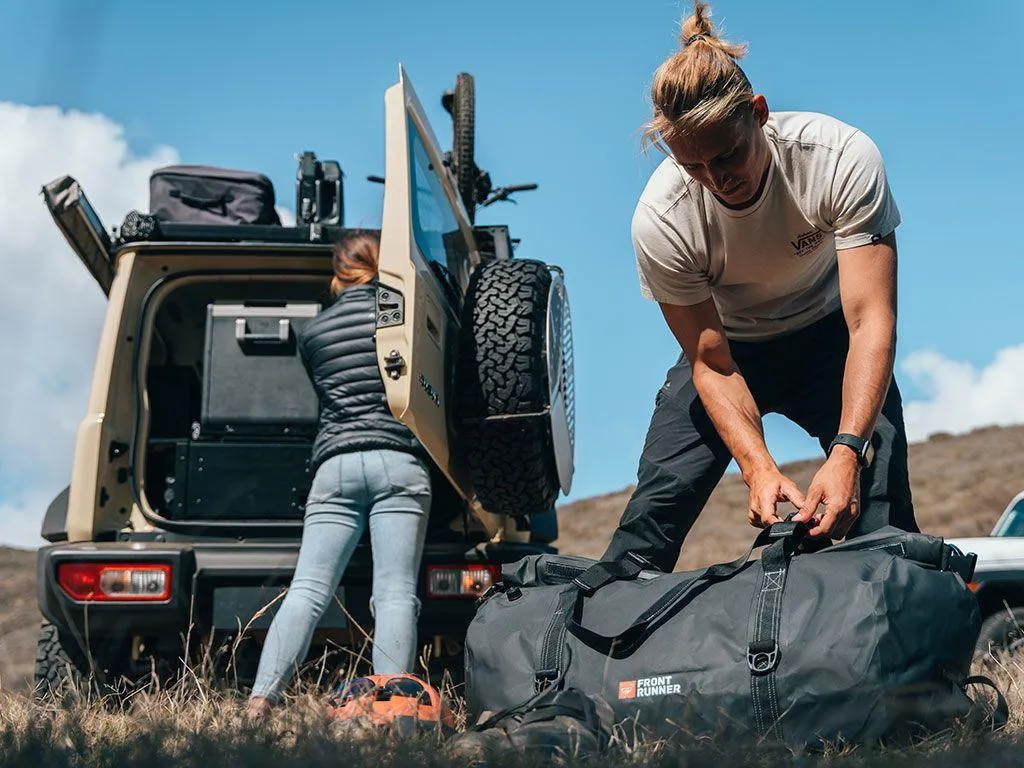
(699,85)
(355,262)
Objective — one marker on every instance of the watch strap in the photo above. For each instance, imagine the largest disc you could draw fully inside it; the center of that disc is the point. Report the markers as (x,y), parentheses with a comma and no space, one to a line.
(857,443)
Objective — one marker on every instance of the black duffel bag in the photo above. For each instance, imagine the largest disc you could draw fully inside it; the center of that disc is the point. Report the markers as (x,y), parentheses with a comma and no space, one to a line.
(867,640)
(200,194)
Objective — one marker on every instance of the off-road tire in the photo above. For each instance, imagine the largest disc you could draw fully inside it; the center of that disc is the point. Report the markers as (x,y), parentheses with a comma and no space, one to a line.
(502,372)
(63,669)
(1002,631)
(61,665)
(463,140)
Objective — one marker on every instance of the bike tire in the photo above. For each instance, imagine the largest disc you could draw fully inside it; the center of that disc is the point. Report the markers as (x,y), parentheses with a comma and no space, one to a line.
(463,140)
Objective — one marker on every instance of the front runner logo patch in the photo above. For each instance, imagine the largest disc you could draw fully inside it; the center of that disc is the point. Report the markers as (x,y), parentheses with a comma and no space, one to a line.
(648,686)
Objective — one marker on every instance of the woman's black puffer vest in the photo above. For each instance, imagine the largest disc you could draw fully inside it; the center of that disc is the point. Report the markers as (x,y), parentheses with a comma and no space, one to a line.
(338,347)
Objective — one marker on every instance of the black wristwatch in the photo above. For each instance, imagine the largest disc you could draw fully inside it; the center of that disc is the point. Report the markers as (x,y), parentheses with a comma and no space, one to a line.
(860,445)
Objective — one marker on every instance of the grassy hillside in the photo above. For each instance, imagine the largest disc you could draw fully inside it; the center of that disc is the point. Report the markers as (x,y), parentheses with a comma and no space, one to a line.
(960,484)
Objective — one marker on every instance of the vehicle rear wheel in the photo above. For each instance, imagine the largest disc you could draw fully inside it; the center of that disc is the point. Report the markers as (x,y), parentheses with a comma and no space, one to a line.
(61,665)
(63,668)
(505,388)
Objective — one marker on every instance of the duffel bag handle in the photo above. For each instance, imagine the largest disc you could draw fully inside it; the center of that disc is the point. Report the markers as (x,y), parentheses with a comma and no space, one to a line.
(582,588)
(203,203)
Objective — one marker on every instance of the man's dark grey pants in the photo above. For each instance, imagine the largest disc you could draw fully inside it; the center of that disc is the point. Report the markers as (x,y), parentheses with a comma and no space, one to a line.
(800,376)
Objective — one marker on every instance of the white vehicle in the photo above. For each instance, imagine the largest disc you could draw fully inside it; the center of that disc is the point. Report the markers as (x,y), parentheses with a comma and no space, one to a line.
(999,579)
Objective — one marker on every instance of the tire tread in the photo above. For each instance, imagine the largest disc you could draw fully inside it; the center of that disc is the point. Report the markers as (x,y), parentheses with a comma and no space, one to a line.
(503,371)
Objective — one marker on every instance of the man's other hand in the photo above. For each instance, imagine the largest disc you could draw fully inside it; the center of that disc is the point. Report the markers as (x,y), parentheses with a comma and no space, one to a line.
(768,488)
(836,486)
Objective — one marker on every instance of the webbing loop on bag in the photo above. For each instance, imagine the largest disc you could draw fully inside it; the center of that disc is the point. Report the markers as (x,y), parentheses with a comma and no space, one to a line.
(762,658)
(763,652)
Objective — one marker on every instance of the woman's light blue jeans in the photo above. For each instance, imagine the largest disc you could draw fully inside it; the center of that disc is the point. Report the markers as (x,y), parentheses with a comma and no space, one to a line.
(390,490)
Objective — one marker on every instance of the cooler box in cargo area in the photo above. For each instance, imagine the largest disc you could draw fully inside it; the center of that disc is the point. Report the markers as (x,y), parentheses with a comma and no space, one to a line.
(254,382)
(258,417)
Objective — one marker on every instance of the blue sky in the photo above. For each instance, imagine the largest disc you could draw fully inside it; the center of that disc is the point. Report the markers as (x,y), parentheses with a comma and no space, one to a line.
(561,96)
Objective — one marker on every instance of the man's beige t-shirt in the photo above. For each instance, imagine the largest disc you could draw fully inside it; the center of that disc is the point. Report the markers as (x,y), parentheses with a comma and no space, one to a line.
(771,267)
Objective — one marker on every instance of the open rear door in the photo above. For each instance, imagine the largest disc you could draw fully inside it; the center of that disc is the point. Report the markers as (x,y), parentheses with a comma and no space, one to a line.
(427,252)
(81,227)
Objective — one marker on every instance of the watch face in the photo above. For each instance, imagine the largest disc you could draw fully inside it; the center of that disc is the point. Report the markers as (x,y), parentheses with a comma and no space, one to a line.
(869,454)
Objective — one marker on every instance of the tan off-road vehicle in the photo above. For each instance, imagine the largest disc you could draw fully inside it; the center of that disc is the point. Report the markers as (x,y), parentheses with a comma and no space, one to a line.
(183,515)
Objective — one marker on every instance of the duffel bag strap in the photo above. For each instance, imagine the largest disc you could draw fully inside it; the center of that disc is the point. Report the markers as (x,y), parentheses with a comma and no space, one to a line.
(626,641)
(763,647)
(602,573)
(549,664)
(1000,715)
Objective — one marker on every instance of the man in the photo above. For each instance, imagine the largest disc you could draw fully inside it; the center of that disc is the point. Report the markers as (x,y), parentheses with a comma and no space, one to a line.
(769,243)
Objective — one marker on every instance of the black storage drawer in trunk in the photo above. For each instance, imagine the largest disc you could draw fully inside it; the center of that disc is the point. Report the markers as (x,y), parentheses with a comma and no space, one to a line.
(240,481)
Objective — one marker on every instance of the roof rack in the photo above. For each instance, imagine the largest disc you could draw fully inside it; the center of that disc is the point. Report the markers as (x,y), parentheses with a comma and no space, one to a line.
(141,227)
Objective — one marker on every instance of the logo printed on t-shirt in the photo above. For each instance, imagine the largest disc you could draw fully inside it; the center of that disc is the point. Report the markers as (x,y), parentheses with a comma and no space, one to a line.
(807,242)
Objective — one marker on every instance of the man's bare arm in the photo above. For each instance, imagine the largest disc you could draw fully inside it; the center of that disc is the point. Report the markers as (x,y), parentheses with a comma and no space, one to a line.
(730,405)
(867,286)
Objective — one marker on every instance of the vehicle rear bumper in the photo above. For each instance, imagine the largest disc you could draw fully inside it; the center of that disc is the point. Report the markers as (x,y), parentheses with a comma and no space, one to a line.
(221,586)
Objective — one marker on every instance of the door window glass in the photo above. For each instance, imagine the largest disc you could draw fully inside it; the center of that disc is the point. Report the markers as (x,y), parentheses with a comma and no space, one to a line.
(434,224)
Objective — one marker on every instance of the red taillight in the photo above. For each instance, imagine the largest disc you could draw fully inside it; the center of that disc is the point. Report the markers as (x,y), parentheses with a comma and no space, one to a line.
(96,582)
(470,580)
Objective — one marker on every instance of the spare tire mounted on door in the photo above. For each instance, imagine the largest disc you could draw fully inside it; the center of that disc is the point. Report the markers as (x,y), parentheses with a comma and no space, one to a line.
(515,397)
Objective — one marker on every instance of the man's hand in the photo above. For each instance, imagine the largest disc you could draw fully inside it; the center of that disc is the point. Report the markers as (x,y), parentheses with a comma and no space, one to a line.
(837,487)
(768,487)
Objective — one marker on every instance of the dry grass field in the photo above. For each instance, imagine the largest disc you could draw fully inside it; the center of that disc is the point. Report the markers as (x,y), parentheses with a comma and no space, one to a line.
(960,485)
(195,726)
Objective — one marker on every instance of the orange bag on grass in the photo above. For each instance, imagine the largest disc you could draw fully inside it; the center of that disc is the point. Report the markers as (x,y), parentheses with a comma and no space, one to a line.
(403,702)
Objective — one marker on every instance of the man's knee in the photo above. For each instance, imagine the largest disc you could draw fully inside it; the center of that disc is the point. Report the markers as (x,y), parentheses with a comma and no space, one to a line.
(659,514)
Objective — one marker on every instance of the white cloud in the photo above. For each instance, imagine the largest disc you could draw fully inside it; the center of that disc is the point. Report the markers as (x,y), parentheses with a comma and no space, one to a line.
(50,308)
(960,397)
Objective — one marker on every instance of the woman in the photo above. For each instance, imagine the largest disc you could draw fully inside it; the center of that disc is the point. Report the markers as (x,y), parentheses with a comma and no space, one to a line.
(369,469)
(768,241)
